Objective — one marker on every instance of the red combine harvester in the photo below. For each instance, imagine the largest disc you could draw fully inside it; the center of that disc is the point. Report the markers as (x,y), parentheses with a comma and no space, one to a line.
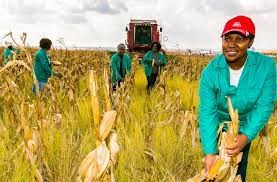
(141,33)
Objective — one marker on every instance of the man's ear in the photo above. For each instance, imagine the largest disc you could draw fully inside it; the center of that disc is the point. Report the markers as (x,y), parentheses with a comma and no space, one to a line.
(250,43)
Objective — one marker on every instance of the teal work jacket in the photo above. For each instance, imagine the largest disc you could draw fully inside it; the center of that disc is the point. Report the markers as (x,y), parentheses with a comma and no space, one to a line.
(148,59)
(42,66)
(253,97)
(115,66)
(8,55)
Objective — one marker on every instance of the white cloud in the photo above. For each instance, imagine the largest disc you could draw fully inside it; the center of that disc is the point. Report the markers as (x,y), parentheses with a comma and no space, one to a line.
(188,24)
(74,18)
(106,7)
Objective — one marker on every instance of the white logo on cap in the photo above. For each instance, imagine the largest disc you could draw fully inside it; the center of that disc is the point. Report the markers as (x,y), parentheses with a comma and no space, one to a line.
(236,24)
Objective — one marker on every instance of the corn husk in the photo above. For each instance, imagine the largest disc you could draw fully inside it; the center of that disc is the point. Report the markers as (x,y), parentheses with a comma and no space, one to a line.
(113,146)
(233,174)
(94,100)
(106,124)
(238,179)
(107,90)
(214,171)
(229,140)
(198,177)
(95,163)
(223,171)
(226,167)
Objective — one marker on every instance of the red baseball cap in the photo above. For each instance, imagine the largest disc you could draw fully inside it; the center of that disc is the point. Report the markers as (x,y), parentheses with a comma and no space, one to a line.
(241,24)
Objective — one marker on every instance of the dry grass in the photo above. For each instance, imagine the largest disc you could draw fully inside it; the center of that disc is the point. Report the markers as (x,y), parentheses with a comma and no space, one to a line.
(149,128)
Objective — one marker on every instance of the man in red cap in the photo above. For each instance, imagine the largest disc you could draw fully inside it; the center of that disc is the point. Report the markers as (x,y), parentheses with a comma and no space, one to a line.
(249,79)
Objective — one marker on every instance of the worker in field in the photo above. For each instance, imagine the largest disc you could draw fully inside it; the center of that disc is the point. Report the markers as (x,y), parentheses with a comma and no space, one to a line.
(249,79)
(120,66)
(154,60)
(9,52)
(42,64)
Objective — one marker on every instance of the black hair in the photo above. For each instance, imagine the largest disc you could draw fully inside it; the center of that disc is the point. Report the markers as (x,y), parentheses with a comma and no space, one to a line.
(45,43)
(251,36)
(158,45)
(10,47)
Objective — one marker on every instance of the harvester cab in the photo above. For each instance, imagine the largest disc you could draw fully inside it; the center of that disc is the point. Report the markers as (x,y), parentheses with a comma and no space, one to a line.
(140,35)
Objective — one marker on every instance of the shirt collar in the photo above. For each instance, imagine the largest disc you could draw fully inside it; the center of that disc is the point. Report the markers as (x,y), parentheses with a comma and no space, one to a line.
(43,50)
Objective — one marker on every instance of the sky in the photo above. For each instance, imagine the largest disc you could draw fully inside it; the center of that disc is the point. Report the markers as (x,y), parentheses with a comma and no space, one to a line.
(187,24)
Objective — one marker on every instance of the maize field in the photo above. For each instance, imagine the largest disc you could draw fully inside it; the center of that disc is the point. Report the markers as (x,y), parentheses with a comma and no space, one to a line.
(77,129)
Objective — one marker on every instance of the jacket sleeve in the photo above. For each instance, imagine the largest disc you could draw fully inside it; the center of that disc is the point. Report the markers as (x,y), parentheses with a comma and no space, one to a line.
(45,64)
(147,59)
(8,55)
(17,50)
(208,118)
(163,60)
(129,65)
(261,112)
(115,72)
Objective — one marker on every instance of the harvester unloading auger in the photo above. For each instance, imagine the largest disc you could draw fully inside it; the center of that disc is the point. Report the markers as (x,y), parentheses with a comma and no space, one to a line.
(225,168)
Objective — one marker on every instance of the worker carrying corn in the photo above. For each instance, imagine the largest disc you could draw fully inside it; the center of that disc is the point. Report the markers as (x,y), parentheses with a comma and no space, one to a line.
(249,79)
(120,66)
(154,61)
(43,65)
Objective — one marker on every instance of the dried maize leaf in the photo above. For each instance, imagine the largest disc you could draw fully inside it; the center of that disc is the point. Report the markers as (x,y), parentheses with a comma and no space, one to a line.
(273,157)
(274,153)
(238,179)
(239,157)
(235,123)
(229,140)
(23,37)
(27,133)
(56,63)
(8,34)
(185,119)
(266,143)
(15,63)
(43,123)
(32,146)
(233,173)
(70,95)
(112,178)
(230,107)
(219,131)
(38,175)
